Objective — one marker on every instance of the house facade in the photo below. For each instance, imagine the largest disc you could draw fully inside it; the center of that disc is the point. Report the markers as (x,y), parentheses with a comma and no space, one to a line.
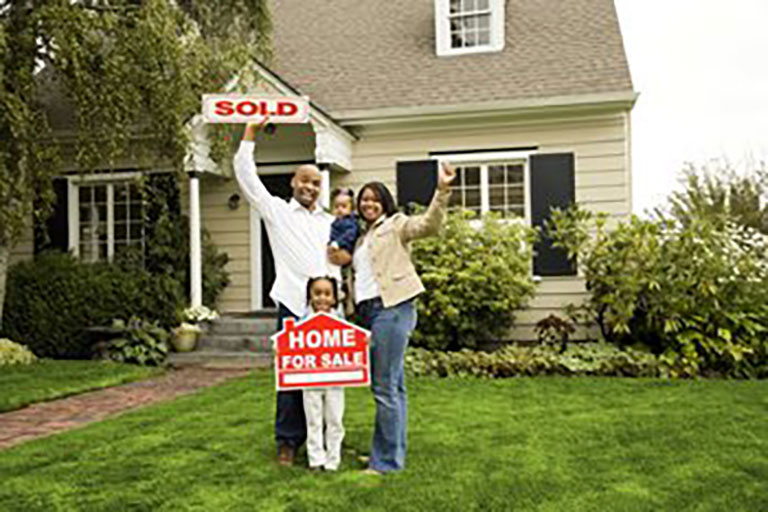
(529,99)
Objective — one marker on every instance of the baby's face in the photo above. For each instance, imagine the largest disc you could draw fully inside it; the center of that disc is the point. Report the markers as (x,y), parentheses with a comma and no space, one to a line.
(342,205)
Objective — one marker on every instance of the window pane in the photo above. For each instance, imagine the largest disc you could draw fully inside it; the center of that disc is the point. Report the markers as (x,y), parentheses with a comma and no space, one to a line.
(484,21)
(135,211)
(514,174)
(470,5)
(519,211)
(455,6)
(121,212)
(496,174)
(85,194)
(471,22)
(471,38)
(456,41)
(484,37)
(85,214)
(455,200)
(496,196)
(515,196)
(135,193)
(455,25)
(135,231)
(472,198)
(100,193)
(121,193)
(499,210)
(121,230)
(101,213)
(472,176)
(102,251)
(482,5)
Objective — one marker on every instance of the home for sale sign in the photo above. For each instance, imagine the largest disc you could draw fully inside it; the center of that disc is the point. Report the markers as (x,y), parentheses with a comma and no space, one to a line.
(321,351)
(238,108)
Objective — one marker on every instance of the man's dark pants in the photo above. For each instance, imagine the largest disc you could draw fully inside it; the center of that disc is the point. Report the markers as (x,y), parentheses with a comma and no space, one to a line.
(290,422)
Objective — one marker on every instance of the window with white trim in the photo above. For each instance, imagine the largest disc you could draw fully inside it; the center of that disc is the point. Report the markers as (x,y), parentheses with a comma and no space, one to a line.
(108,218)
(469,26)
(498,186)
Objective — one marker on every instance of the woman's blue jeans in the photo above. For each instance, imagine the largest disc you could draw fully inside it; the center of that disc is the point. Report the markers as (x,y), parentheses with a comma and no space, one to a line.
(390,329)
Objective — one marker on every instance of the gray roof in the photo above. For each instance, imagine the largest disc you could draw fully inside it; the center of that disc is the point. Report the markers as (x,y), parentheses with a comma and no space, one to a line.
(366,54)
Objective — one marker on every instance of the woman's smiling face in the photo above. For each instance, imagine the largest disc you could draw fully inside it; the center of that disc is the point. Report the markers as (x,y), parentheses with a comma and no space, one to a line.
(370,206)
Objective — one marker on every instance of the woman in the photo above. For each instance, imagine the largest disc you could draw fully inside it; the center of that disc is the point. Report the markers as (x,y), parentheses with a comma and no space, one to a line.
(384,286)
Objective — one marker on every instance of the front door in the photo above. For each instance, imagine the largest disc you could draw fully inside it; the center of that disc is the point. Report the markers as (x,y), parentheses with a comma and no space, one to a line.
(278,185)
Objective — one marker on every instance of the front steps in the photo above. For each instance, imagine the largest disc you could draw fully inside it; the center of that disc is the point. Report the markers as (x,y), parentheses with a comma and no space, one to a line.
(233,341)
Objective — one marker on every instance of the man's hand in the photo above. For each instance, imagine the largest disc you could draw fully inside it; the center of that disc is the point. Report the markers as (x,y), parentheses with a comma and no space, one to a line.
(251,129)
(339,257)
(446,175)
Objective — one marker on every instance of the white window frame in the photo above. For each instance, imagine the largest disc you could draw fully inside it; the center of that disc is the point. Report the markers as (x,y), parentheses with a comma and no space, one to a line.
(443,30)
(484,160)
(73,202)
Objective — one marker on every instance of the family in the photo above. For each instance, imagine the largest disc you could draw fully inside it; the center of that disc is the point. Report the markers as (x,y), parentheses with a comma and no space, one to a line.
(310,247)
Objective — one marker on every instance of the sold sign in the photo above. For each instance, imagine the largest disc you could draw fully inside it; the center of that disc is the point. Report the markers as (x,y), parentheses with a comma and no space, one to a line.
(236,108)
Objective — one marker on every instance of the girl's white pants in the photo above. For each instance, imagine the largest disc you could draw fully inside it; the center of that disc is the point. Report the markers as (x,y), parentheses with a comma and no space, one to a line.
(324,407)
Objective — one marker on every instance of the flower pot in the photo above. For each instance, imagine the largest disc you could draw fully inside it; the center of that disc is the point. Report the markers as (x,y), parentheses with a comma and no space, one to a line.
(185,340)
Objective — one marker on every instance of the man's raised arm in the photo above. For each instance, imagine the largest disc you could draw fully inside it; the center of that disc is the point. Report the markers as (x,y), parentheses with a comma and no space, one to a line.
(245,171)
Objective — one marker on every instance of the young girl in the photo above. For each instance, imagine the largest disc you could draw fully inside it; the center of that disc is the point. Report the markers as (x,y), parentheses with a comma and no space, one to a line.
(324,405)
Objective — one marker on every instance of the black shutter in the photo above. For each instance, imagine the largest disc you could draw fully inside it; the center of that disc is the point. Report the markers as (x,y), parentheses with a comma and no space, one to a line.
(552,185)
(416,182)
(53,233)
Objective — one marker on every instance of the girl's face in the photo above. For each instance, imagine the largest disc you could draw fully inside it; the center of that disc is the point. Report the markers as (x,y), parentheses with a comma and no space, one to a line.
(321,296)
(370,206)
(342,205)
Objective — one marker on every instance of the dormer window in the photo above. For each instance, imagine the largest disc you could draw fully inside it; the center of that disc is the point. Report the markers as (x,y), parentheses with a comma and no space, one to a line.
(469,26)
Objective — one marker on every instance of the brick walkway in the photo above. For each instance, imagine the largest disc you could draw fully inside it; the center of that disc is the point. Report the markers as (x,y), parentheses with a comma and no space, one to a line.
(46,418)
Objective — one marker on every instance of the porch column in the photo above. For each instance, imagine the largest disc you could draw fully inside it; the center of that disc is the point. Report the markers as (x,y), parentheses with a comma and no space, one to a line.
(195,253)
(325,187)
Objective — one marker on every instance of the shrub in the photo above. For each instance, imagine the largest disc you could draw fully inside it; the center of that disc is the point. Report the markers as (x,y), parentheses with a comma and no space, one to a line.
(693,293)
(475,277)
(137,342)
(52,300)
(599,359)
(167,243)
(13,353)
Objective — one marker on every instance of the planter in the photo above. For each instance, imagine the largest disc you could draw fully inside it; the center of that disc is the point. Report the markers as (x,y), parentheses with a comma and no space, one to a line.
(185,339)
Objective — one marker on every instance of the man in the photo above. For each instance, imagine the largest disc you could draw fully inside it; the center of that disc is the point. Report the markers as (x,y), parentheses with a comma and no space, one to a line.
(298,234)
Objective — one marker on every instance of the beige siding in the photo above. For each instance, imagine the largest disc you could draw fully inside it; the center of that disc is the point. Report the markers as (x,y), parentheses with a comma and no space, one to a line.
(24,248)
(599,143)
(230,231)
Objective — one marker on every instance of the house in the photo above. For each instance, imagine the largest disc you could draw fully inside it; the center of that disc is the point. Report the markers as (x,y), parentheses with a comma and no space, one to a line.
(530,99)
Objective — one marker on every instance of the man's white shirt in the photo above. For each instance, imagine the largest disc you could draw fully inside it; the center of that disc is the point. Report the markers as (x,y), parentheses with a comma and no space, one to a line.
(299,237)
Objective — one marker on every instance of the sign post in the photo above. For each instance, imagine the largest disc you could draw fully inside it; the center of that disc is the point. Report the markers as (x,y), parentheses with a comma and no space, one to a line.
(321,351)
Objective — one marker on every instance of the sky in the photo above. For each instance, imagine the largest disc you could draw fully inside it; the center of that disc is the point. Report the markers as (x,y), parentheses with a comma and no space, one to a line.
(701,70)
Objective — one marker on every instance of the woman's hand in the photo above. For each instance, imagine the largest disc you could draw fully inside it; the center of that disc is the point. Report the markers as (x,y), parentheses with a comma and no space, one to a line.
(251,129)
(446,175)
(339,257)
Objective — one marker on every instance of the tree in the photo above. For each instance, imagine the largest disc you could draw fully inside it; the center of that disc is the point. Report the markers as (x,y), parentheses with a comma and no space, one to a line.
(133,70)
(720,194)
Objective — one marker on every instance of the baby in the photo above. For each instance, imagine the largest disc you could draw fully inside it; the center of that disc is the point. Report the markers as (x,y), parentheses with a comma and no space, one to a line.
(344,230)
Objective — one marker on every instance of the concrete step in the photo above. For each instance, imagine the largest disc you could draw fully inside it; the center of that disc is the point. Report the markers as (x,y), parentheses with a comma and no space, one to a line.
(235,342)
(235,325)
(220,359)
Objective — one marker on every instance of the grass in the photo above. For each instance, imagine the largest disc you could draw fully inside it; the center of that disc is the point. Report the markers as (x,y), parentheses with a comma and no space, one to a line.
(47,379)
(546,444)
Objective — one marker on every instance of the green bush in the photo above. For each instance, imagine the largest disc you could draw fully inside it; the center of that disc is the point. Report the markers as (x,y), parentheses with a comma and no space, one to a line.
(599,359)
(476,274)
(137,342)
(52,300)
(694,293)
(13,353)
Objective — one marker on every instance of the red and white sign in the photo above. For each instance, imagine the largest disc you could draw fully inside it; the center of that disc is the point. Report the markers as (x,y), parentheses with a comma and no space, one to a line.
(238,108)
(321,351)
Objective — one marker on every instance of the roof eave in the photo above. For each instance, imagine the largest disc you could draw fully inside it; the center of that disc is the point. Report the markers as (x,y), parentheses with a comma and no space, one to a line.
(615,100)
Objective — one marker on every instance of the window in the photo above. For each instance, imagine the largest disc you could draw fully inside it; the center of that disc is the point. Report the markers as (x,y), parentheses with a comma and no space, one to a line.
(106,219)
(470,22)
(469,26)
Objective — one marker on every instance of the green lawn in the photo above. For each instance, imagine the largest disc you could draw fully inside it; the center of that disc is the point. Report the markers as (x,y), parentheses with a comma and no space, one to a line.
(21,385)
(554,444)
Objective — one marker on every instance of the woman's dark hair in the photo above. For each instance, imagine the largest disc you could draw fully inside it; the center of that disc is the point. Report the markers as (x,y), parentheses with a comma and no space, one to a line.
(343,192)
(334,285)
(382,194)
